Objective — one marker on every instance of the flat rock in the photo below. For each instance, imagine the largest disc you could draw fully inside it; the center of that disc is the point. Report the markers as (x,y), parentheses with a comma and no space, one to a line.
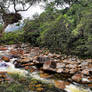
(61,84)
(6,59)
(73,70)
(25,60)
(43,59)
(45,75)
(77,77)
(60,65)
(3,48)
(85,72)
(46,65)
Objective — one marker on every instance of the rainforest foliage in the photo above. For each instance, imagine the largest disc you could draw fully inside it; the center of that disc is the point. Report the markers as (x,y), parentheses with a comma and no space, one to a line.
(68,30)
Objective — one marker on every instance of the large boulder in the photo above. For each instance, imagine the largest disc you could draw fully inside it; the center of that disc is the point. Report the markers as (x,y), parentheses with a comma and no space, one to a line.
(50,65)
(61,84)
(5,58)
(22,62)
(42,59)
(3,48)
(77,77)
(34,52)
(17,52)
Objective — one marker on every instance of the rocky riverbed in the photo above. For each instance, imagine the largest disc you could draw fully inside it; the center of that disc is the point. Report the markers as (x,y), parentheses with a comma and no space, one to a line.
(64,73)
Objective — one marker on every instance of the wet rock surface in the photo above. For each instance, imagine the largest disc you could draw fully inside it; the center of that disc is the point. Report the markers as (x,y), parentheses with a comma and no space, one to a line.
(69,69)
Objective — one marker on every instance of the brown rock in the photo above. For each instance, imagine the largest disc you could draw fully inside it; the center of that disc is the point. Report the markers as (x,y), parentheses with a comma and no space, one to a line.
(39,89)
(43,59)
(46,65)
(47,52)
(66,70)
(34,52)
(30,64)
(7,59)
(7,79)
(50,55)
(85,71)
(13,52)
(60,65)
(61,84)
(60,70)
(53,65)
(90,66)
(77,77)
(88,60)
(1,80)
(3,76)
(17,52)
(90,85)
(3,72)
(25,59)
(45,75)
(26,68)
(20,51)
(49,65)
(32,70)
(90,78)
(3,48)
(72,66)
(74,70)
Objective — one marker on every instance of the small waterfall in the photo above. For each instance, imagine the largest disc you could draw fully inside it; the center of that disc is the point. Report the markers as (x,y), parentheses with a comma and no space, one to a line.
(10,68)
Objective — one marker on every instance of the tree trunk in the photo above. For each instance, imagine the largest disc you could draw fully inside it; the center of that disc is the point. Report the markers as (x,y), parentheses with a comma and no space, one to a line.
(3,29)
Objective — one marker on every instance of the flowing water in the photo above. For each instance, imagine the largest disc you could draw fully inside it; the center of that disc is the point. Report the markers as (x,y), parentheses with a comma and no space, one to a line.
(10,68)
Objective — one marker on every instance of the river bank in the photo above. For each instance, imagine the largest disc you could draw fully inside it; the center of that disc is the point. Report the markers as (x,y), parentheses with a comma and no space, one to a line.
(52,72)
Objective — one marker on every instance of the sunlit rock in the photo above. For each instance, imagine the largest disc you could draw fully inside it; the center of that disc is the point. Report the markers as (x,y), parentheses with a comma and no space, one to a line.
(61,84)
(7,59)
(73,88)
(3,48)
(77,77)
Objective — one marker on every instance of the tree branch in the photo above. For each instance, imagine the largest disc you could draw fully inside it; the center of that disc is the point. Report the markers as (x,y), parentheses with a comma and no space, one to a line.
(24,9)
(14,5)
(2,9)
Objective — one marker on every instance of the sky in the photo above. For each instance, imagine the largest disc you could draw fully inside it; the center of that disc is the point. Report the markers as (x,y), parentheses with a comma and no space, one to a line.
(37,8)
